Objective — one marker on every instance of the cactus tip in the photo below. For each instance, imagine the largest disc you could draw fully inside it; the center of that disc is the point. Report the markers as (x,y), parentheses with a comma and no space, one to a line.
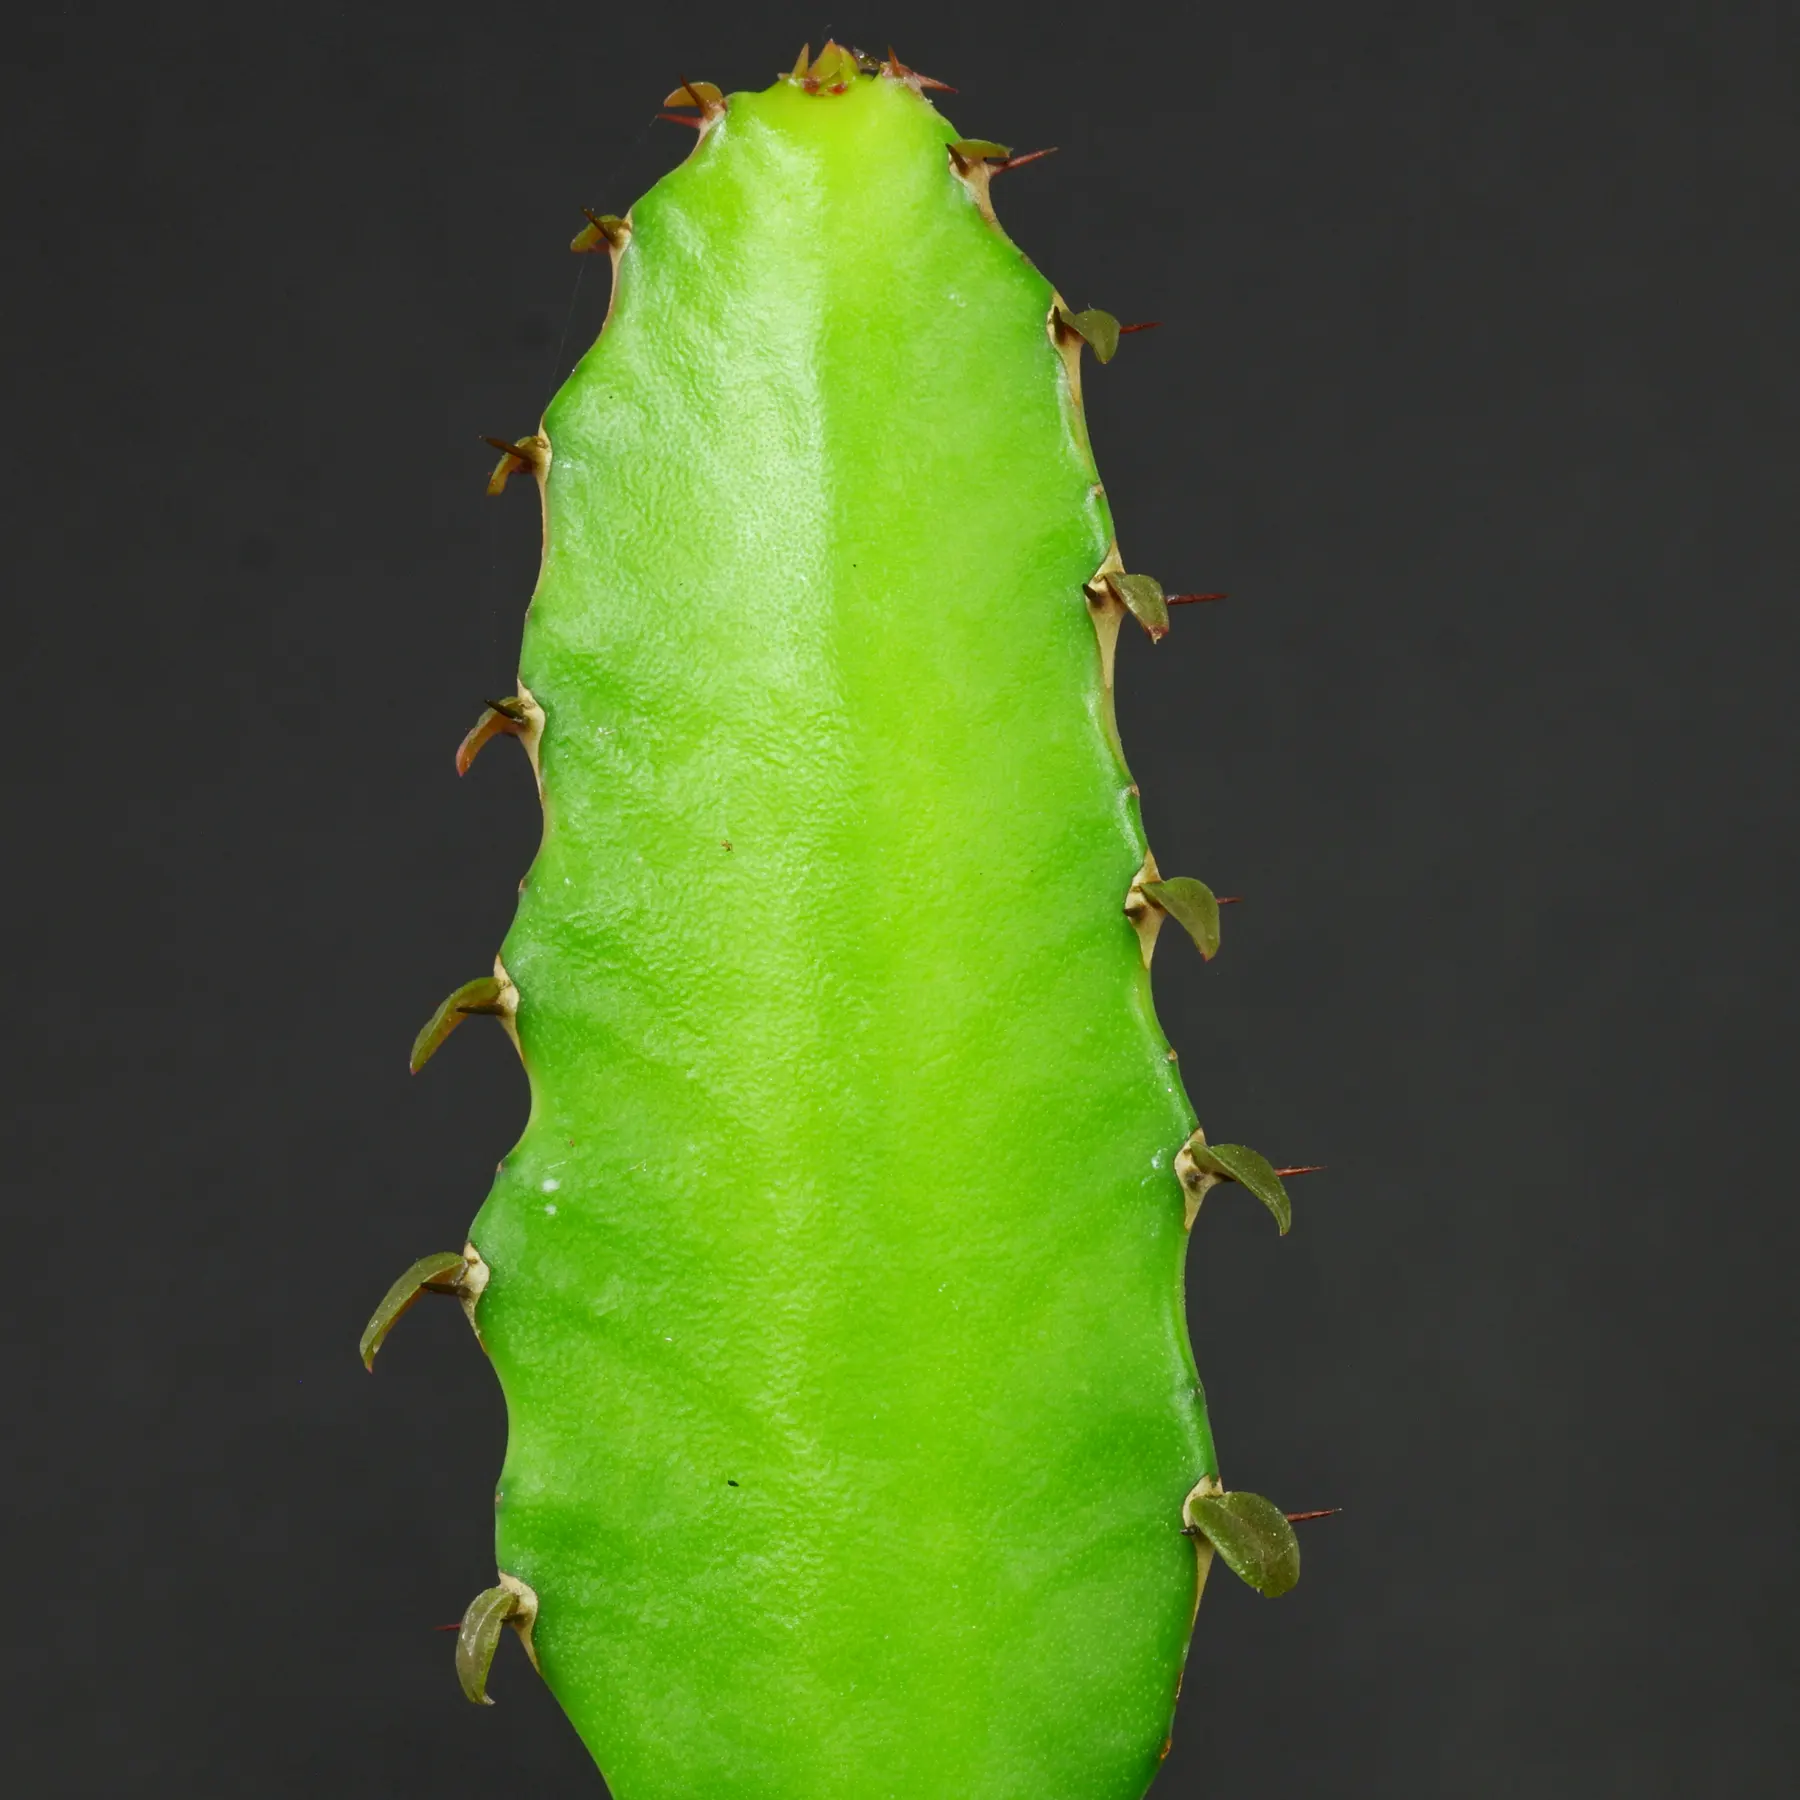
(831,71)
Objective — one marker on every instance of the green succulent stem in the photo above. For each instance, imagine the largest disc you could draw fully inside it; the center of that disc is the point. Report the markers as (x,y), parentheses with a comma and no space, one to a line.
(835,1282)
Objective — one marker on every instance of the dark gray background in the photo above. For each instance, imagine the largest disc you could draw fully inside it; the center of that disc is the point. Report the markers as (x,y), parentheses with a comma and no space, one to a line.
(1476,391)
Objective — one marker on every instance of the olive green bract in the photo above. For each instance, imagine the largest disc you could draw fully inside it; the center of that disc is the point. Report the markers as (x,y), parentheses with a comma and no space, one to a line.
(836,1283)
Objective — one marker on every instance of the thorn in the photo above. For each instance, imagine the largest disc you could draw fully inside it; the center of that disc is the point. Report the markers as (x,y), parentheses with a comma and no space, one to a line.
(683,119)
(1030,156)
(1229,899)
(1200,1166)
(526,456)
(1189,599)
(601,229)
(454,1625)
(896,70)
(502,716)
(444,1273)
(1096,328)
(1141,325)
(488,995)
(1192,905)
(1324,1512)
(978,150)
(1300,1169)
(1142,597)
(704,94)
(478,1636)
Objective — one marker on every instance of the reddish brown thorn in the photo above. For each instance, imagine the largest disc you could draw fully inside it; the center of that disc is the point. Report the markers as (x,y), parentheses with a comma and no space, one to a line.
(901,72)
(1018,162)
(1324,1512)
(456,1627)
(681,119)
(1191,599)
(1228,899)
(1300,1169)
(1141,325)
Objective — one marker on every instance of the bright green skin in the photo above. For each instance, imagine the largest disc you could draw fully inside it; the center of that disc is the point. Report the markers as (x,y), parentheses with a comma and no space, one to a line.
(862,1128)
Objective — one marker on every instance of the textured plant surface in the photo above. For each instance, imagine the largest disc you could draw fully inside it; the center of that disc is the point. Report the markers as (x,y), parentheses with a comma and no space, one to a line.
(835,1285)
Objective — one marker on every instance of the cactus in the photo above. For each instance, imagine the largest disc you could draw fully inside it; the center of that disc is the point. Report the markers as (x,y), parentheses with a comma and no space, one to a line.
(835,1285)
